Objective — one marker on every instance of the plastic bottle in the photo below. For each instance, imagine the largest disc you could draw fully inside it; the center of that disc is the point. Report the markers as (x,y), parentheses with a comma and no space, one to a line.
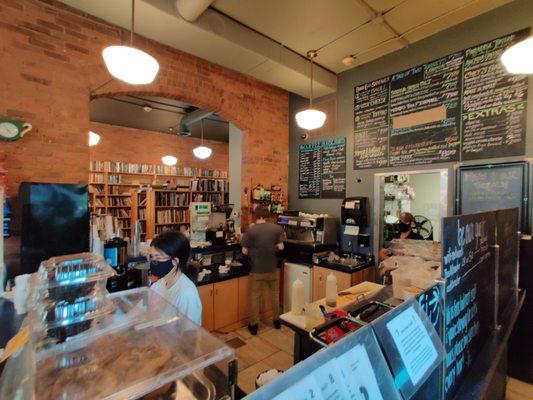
(297,298)
(331,290)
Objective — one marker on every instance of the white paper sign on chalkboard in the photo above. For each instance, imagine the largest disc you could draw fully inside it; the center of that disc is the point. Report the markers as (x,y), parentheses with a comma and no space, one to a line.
(322,169)
(464,106)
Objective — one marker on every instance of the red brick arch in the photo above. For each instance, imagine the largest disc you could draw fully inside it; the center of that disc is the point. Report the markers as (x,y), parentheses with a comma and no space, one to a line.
(50,63)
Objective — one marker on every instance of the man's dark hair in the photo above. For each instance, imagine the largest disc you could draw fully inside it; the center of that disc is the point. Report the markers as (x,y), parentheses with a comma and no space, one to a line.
(261,212)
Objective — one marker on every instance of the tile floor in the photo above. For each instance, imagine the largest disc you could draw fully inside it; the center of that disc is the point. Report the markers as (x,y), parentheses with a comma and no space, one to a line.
(271,348)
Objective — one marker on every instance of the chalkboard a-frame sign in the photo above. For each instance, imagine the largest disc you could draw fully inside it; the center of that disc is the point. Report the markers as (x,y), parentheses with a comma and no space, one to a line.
(494,186)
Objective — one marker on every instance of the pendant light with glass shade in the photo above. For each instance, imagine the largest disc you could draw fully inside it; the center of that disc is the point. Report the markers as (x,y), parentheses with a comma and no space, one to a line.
(169,160)
(128,63)
(518,59)
(94,138)
(202,152)
(311,118)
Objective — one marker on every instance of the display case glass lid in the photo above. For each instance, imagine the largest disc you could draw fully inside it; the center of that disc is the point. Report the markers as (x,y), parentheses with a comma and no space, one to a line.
(142,346)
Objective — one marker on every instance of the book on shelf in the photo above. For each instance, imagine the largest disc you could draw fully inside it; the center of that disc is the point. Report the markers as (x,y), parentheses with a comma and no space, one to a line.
(166,199)
(97,166)
(98,202)
(119,190)
(129,168)
(171,216)
(120,212)
(120,201)
(210,185)
(96,177)
(114,178)
(215,198)
(141,213)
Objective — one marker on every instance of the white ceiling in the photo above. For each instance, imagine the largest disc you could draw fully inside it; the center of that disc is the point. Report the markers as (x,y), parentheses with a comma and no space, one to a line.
(268,39)
(346,27)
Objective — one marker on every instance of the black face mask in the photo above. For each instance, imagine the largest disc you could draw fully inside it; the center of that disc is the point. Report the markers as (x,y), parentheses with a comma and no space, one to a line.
(160,268)
(403,227)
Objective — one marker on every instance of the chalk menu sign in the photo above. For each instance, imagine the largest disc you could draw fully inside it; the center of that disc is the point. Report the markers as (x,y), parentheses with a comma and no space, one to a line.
(460,107)
(494,187)
(322,169)
(468,267)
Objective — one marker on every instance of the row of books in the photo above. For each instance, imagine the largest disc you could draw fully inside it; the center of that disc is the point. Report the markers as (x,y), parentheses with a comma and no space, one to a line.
(98,202)
(124,223)
(96,177)
(171,216)
(143,168)
(171,199)
(142,213)
(120,212)
(215,198)
(211,185)
(114,178)
(119,201)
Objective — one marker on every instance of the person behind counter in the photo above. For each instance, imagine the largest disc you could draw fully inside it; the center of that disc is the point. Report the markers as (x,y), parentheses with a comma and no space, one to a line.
(261,243)
(405,231)
(169,253)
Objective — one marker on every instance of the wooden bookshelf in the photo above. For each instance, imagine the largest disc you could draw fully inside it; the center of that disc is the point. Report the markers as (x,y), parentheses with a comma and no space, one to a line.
(114,189)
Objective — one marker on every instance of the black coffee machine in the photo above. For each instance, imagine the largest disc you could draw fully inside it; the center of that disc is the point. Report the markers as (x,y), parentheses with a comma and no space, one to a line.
(116,254)
(355,231)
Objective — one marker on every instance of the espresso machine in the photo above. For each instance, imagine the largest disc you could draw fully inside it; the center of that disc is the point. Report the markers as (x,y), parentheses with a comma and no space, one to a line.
(307,234)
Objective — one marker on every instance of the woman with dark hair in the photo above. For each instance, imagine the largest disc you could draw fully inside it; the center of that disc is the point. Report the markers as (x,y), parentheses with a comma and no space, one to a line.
(169,254)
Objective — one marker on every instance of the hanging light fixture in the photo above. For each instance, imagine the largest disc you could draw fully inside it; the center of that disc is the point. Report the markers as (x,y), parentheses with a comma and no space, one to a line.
(169,160)
(311,118)
(94,138)
(202,152)
(518,59)
(129,64)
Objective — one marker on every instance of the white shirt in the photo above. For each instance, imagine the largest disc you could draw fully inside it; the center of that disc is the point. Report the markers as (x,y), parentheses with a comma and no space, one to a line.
(183,295)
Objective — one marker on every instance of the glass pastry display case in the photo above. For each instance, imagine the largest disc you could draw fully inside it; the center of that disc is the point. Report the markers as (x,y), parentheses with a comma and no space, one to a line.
(143,349)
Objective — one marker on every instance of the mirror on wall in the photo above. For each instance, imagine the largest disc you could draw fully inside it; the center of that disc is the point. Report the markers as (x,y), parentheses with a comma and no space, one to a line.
(422,194)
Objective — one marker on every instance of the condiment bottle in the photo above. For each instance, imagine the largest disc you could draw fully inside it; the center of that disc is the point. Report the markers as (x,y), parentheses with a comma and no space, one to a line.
(331,290)
(297,299)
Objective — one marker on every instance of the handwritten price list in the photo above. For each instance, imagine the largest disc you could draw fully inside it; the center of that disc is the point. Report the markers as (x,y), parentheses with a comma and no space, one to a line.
(460,107)
(322,169)
(468,268)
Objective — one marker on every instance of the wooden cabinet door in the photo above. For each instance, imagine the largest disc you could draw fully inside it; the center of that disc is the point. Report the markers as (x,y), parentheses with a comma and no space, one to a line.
(362,276)
(344,280)
(244,297)
(206,293)
(319,283)
(320,276)
(226,303)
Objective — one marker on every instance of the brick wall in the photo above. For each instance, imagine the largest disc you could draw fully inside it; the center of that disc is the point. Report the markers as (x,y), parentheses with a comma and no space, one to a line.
(148,147)
(50,60)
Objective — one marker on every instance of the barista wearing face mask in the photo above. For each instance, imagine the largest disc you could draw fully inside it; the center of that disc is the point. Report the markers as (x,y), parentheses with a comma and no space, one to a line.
(169,253)
(405,231)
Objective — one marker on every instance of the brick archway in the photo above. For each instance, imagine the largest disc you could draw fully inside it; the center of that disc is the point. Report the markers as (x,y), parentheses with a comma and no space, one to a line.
(51,62)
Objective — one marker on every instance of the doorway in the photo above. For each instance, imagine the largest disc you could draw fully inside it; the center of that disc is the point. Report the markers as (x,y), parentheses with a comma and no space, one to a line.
(423,193)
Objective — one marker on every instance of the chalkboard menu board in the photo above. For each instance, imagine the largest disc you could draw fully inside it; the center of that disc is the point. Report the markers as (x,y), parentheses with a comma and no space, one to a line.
(322,173)
(494,187)
(460,107)
(468,267)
